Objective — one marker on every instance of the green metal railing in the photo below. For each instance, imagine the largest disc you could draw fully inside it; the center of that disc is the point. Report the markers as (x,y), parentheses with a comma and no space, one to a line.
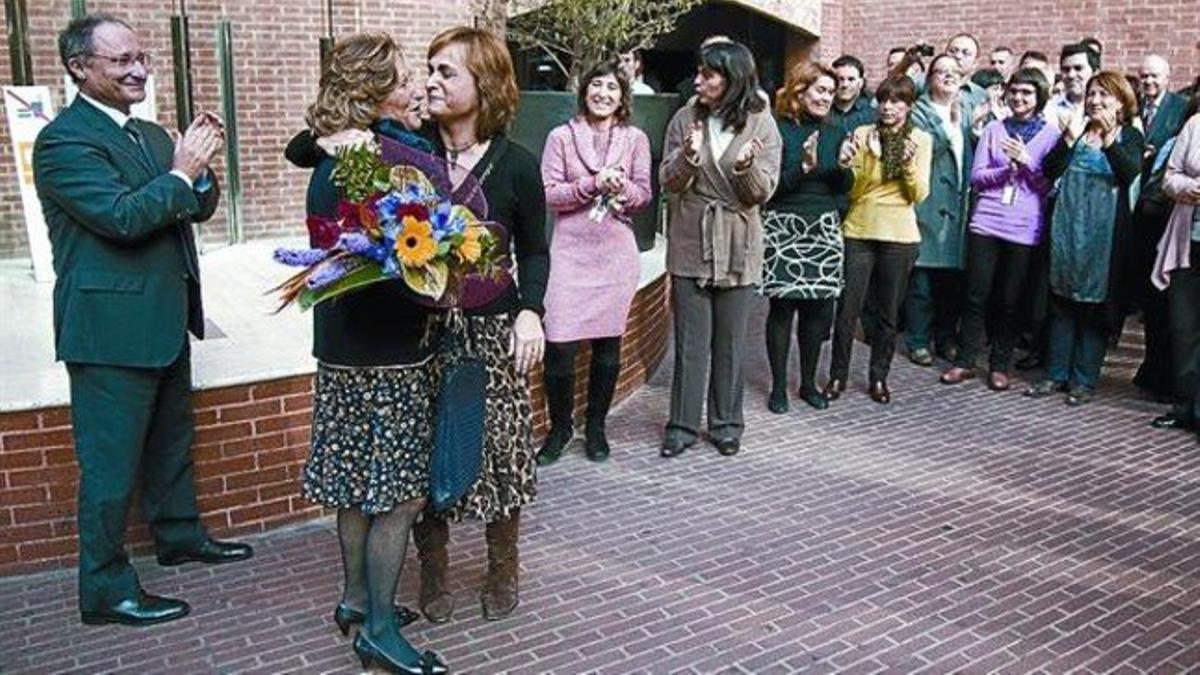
(233,178)
(19,57)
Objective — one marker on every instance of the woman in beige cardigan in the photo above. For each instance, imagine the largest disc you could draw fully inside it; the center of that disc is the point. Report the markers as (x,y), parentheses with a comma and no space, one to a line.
(720,164)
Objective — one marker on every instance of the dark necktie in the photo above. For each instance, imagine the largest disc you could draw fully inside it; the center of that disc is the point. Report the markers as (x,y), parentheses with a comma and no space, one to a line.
(1148,118)
(186,237)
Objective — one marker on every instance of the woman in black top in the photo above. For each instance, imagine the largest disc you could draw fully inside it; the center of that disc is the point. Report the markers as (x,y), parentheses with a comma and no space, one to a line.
(802,256)
(372,415)
(472,95)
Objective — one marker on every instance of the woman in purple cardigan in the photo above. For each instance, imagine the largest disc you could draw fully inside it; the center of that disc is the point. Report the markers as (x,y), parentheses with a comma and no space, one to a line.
(1007,224)
(596,171)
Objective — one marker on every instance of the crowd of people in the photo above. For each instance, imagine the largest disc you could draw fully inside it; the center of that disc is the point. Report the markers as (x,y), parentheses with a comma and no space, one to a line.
(964,209)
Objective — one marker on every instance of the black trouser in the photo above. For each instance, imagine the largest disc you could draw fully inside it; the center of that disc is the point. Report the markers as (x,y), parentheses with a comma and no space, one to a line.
(133,431)
(1184,298)
(603,371)
(815,320)
(883,268)
(1035,296)
(1155,375)
(996,274)
(933,307)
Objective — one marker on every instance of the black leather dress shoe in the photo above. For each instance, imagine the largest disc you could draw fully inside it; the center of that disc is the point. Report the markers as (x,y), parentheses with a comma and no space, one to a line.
(814,398)
(1170,421)
(144,610)
(834,389)
(880,393)
(673,447)
(211,552)
(728,446)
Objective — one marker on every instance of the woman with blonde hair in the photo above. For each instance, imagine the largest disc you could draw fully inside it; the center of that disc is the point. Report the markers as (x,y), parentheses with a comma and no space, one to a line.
(372,411)
(802,233)
(1095,162)
(472,97)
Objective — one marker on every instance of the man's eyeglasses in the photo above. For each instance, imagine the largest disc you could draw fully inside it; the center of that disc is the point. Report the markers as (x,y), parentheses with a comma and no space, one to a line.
(126,61)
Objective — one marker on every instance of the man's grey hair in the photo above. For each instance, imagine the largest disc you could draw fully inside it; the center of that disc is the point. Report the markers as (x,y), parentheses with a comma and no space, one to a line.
(76,39)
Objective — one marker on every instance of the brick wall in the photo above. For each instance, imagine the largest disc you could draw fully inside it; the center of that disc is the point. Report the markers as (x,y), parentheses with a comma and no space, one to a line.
(1129,29)
(251,443)
(275,44)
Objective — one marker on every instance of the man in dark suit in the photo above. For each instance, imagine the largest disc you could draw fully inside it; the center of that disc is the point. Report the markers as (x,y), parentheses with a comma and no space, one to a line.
(1162,116)
(120,199)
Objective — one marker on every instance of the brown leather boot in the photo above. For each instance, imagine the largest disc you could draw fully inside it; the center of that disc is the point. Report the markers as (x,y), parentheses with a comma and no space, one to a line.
(431,535)
(499,593)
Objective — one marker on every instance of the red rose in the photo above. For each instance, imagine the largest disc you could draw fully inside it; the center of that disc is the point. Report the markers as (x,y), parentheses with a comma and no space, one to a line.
(417,211)
(322,232)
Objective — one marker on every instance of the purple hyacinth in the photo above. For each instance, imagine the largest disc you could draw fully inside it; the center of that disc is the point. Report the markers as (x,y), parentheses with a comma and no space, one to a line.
(300,257)
(356,243)
(326,274)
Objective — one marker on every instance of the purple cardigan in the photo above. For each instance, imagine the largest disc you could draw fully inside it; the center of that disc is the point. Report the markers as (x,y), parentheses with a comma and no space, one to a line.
(1022,221)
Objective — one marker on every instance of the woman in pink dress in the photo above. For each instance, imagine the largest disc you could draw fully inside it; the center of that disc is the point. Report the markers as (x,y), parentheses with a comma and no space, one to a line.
(596,171)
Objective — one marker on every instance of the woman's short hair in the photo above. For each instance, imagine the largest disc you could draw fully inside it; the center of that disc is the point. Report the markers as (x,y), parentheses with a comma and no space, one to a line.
(1116,84)
(943,57)
(609,67)
(491,65)
(1034,78)
(987,77)
(801,76)
(360,76)
(896,87)
(735,63)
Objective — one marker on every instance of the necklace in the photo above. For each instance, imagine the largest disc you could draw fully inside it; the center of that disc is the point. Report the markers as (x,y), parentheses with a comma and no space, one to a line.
(453,152)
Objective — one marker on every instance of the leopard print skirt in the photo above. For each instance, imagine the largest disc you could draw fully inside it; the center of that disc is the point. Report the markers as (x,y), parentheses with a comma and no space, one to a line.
(508,479)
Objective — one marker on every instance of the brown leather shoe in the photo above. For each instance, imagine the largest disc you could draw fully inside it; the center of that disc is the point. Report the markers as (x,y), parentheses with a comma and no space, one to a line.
(880,393)
(998,381)
(834,390)
(956,375)
(431,535)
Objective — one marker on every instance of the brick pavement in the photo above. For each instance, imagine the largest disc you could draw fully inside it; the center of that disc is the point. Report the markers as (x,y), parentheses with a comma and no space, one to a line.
(956,530)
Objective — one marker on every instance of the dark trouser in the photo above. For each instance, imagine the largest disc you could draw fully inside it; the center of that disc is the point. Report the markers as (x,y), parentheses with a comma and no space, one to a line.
(1078,341)
(1156,373)
(710,334)
(883,267)
(133,429)
(816,318)
(1036,297)
(996,274)
(1184,296)
(934,305)
(603,372)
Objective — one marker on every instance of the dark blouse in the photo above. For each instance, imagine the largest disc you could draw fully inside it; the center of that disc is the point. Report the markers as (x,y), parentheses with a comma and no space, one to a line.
(512,184)
(816,192)
(376,326)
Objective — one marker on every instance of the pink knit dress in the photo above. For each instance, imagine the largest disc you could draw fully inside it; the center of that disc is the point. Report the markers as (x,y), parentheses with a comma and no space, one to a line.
(594,265)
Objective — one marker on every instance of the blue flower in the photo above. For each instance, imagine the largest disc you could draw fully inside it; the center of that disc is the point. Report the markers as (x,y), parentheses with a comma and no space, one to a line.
(300,257)
(444,223)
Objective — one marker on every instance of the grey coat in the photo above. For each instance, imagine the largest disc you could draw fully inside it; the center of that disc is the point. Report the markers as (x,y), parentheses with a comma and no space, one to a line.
(942,217)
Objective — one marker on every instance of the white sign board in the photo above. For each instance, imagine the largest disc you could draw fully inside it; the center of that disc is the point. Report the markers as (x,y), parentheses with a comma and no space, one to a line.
(146,110)
(29,109)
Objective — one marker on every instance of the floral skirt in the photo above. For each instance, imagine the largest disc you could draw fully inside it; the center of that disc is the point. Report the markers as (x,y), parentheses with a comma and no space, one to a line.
(508,479)
(372,431)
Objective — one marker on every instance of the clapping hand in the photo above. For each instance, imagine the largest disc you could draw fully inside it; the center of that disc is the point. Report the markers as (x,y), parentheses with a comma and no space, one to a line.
(747,155)
(1014,148)
(1107,126)
(198,145)
(850,149)
(611,180)
(1072,124)
(910,150)
(693,141)
(810,152)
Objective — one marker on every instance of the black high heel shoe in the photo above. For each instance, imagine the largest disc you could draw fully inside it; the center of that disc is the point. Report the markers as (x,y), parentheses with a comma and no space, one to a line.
(368,653)
(346,617)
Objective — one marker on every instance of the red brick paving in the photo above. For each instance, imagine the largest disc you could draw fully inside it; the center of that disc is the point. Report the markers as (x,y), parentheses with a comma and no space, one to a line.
(956,530)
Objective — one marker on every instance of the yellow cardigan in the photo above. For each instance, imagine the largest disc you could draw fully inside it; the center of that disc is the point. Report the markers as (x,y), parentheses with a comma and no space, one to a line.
(884,211)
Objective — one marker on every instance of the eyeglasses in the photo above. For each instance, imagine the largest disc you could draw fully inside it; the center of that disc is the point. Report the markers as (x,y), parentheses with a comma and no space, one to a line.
(126,61)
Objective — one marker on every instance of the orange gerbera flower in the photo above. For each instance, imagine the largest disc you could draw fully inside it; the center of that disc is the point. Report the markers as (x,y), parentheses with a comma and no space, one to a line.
(415,246)
(470,249)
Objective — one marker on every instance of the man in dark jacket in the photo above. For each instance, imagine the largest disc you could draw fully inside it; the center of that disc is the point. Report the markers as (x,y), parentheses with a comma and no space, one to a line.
(120,199)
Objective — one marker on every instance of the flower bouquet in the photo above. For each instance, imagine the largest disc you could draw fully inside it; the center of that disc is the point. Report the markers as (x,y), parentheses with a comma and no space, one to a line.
(397,220)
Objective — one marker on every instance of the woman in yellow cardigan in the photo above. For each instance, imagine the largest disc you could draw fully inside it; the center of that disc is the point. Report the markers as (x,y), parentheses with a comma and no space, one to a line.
(890,161)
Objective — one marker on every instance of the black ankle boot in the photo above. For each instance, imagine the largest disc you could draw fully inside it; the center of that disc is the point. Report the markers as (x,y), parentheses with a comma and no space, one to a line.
(560,400)
(602,384)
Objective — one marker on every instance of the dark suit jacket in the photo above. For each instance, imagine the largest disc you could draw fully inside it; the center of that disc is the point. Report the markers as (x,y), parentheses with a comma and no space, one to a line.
(1167,121)
(128,285)
(1153,205)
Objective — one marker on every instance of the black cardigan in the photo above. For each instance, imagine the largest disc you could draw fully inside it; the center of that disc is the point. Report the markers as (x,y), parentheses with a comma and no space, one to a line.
(379,325)
(1125,158)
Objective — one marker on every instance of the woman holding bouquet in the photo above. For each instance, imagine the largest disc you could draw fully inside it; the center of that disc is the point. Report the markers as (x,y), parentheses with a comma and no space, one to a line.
(472,97)
(596,170)
(372,415)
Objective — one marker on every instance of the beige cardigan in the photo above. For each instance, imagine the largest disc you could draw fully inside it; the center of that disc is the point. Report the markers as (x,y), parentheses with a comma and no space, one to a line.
(714,233)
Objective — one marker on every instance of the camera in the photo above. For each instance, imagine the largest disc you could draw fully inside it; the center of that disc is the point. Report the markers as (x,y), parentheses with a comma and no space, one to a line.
(923,49)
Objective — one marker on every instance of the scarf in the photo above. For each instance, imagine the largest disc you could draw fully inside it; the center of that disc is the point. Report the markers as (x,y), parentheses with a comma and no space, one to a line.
(891,142)
(1025,129)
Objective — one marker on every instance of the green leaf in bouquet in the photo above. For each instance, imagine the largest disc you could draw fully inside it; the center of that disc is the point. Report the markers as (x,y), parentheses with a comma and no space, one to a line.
(429,280)
(359,278)
(443,247)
